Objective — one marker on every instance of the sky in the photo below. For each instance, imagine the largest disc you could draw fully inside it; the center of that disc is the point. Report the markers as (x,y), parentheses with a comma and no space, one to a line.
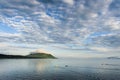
(64,28)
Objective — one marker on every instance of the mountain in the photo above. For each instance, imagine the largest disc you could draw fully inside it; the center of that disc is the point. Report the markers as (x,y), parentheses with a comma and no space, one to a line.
(33,55)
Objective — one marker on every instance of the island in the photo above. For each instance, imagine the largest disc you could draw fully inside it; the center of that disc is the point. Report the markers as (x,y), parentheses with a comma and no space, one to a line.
(113,57)
(32,55)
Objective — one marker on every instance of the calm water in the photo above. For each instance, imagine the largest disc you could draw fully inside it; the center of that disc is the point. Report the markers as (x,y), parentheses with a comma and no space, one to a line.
(59,69)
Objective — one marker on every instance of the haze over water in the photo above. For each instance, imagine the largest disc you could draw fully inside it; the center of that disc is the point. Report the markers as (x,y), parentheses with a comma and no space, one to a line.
(59,69)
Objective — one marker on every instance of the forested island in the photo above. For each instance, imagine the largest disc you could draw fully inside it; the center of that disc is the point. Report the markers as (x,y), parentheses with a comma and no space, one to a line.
(33,55)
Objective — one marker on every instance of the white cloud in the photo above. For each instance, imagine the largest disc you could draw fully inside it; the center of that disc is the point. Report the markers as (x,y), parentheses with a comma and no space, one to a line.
(107,50)
(113,23)
(71,2)
(100,49)
(3,45)
(3,34)
(42,51)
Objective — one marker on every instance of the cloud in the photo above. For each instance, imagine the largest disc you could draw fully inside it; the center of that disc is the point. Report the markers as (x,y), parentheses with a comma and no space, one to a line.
(79,22)
(113,23)
(71,2)
(41,51)
(106,50)
(108,40)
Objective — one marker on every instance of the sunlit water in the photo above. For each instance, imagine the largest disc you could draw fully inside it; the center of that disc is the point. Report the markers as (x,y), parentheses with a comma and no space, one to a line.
(59,69)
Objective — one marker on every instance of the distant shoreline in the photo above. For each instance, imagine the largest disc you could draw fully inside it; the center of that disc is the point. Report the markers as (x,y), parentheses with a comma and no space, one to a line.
(113,57)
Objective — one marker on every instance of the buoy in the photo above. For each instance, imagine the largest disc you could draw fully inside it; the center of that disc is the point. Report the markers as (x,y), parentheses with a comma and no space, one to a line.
(66,65)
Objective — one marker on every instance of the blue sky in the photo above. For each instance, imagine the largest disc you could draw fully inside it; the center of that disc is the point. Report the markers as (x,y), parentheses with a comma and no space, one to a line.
(65,28)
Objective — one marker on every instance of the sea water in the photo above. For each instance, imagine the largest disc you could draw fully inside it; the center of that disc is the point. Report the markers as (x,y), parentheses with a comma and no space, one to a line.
(60,69)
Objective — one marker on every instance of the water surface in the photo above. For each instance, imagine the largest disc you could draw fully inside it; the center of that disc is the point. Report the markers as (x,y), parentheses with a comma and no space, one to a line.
(59,69)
